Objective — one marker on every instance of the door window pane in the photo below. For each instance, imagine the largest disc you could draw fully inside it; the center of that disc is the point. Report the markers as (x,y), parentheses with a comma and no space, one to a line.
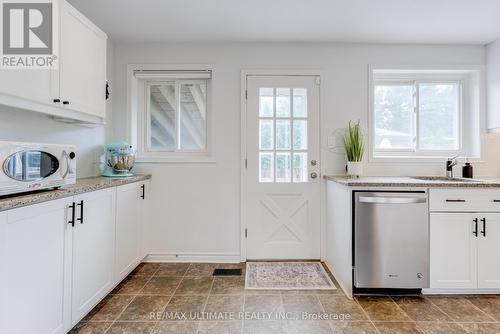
(283,168)
(439,116)
(266,102)
(300,167)
(300,135)
(193,116)
(162,117)
(394,117)
(266,167)
(299,102)
(266,134)
(282,102)
(282,134)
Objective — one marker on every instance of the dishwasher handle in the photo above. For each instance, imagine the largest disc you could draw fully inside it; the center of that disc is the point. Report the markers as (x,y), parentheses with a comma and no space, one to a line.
(391,200)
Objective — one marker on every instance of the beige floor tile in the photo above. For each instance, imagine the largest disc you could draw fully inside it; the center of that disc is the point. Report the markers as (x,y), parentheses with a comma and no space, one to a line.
(161,285)
(172,269)
(481,328)
(131,328)
(342,308)
(220,327)
(460,309)
(420,309)
(146,269)
(91,328)
(195,286)
(109,308)
(142,307)
(382,309)
(131,285)
(201,270)
(176,327)
(441,328)
(353,327)
(228,286)
(397,328)
(225,304)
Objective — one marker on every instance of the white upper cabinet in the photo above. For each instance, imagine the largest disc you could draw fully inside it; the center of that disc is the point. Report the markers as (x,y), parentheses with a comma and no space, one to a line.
(35,264)
(82,73)
(77,88)
(493,63)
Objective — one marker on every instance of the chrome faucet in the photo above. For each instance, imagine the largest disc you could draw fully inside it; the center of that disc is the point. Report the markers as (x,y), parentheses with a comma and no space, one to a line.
(450,163)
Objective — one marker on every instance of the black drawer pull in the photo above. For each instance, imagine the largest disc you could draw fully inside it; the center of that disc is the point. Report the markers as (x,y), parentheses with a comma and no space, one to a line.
(56,100)
(143,191)
(483,232)
(81,212)
(65,102)
(496,201)
(72,221)
(475,227)
(455,200)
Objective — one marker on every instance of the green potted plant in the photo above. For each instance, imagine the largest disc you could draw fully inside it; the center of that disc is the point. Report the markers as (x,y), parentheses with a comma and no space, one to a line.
(354,148)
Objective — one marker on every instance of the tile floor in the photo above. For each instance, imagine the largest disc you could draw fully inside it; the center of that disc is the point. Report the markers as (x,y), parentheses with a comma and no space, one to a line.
(174,298)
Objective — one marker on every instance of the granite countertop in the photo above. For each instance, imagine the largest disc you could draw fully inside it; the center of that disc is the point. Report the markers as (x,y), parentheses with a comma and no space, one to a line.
(82,186)
(407,181)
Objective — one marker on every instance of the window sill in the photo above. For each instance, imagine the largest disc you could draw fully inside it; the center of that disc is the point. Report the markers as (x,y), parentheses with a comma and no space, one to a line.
(177,160)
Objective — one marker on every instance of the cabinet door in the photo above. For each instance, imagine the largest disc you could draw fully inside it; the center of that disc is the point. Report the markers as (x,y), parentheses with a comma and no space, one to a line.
(488,257)
(93,250)
(128,228)
(83,63)
(31,85)
(453,254)
(35,262)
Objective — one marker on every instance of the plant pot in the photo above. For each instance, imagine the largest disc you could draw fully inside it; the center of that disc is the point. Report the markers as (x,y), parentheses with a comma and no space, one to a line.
(355,168)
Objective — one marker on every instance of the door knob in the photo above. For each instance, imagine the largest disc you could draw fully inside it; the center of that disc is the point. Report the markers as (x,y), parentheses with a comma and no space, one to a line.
(314,162)
(314,175)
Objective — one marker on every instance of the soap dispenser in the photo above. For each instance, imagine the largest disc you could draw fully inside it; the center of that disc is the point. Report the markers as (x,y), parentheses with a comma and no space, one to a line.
(467,170)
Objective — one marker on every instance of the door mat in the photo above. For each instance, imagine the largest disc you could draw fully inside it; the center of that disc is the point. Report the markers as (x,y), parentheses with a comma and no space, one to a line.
(287,276)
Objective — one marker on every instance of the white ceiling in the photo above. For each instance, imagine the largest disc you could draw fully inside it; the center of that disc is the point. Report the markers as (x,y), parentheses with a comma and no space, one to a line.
(375,21)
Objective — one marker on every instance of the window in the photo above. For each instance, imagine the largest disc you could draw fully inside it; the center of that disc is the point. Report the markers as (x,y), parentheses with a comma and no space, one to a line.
(424,114)
(283,135)
(173,114)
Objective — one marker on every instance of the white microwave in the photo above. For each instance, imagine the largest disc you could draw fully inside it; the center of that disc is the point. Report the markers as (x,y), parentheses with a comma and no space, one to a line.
(29,167)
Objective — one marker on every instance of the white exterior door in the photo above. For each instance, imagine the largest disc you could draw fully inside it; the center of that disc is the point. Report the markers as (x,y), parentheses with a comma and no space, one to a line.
(282,182)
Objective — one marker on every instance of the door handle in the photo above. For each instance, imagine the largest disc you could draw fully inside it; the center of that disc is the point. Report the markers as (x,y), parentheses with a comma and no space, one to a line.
(143,191)
(81,212)
(72,221)
(392,200)
(483,232)
(475,226)
(455,200)
(314,175)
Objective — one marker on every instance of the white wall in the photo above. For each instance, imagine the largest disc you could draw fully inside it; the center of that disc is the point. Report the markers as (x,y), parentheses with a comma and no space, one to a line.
(195,207)
(493,60)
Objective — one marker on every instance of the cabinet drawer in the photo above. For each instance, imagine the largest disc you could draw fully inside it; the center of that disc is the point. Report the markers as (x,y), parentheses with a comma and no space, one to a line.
(468,200)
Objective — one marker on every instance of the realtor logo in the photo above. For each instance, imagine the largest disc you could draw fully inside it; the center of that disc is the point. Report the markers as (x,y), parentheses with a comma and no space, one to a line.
(28,35)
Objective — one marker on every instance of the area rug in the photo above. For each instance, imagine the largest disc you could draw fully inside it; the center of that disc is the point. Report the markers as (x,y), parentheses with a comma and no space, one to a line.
(287,276)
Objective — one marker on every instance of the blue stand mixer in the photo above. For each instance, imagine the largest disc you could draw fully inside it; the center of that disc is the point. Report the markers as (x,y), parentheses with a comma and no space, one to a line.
(120,159)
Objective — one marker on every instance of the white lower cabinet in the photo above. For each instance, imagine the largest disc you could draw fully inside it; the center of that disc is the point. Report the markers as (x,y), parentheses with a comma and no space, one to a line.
(488,254)
(128,228)
(464,251)
(58,259)
(93,250)
(35,258)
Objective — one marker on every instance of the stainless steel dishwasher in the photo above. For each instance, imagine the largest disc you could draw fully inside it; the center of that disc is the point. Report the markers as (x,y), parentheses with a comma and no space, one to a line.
(391,240)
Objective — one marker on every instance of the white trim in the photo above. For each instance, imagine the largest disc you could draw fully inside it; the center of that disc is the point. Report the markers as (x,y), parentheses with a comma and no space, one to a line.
(54,111)
(245,73)
(459,291)
(347,292)
(471,77)
(193,257)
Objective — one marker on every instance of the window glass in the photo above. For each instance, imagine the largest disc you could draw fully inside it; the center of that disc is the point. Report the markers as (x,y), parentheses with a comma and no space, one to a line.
(162,117)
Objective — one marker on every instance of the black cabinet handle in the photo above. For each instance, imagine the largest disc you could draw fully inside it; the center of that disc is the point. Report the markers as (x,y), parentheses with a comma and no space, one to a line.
(475,228)
(72,221)
(483,232)
(65,102)
(456,200)
(81,212)
(496,201)
(56,100)
(143,194)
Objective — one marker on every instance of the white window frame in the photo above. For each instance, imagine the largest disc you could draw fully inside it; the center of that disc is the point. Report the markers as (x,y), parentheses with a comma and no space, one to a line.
(138,117)
(470,116)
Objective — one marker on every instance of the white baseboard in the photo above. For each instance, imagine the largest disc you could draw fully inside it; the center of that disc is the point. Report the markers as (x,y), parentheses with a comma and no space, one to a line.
(193,257)
(460,291)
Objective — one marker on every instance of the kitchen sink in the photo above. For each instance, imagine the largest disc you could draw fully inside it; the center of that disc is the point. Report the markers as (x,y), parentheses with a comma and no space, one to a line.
(445,179)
